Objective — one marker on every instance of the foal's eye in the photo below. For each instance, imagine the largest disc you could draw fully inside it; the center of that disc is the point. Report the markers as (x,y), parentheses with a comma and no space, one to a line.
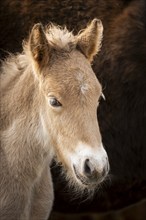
(54,102)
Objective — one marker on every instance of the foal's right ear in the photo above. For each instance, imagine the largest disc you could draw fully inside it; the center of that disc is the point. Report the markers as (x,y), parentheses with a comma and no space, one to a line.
(89,40)
(38,45)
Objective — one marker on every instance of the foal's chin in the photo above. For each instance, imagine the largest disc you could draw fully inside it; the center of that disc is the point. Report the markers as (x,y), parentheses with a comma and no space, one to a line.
(85,182)
(80,184)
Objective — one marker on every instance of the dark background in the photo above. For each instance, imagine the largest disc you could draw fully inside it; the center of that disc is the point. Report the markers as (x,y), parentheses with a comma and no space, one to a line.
(121,69)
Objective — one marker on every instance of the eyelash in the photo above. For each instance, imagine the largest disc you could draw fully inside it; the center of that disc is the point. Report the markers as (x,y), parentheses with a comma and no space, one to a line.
(102,98)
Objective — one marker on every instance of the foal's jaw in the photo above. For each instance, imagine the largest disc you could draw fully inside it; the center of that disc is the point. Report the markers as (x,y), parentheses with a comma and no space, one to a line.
(90,166)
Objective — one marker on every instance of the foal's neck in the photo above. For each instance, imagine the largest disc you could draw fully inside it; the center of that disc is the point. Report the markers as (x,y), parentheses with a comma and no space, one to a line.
(20,93)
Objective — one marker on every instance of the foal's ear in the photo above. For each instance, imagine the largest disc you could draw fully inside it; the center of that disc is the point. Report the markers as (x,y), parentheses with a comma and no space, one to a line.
(89,40)
(38,45)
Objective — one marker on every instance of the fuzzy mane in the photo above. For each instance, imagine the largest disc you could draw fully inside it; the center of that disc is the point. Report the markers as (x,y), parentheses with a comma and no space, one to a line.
(60,38)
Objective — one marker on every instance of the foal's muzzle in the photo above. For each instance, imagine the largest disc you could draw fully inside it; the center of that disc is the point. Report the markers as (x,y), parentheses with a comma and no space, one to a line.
(90,174)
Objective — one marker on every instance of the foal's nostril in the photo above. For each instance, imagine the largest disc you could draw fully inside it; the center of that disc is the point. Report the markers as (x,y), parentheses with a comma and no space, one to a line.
(88,168)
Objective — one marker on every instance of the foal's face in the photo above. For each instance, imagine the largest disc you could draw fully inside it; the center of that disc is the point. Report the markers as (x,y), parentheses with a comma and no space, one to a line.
(71,92)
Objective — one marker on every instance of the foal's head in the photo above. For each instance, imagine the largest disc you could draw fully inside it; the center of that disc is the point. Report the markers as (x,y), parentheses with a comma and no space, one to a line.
(71,91)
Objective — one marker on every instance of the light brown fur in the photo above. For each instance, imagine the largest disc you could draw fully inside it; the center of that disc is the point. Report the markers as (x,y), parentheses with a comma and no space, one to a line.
(33,131)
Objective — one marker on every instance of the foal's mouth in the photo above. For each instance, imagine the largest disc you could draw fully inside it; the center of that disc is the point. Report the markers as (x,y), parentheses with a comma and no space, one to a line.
(84,180)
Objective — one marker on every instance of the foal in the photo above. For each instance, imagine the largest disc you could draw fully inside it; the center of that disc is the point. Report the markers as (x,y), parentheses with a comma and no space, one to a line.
(49,100)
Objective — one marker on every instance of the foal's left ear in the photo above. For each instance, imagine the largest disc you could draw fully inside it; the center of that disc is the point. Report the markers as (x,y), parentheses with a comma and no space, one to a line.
(89,40)
(38,45)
